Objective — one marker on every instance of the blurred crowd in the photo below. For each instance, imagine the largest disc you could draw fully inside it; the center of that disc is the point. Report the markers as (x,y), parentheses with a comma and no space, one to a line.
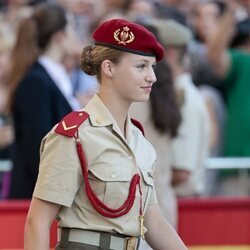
(199,107)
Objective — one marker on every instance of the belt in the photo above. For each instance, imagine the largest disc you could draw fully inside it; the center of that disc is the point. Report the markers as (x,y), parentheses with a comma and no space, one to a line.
(121,242)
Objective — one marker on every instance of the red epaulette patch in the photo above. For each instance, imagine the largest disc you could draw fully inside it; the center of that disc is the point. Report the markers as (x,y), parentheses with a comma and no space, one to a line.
(138,125)
(70,123)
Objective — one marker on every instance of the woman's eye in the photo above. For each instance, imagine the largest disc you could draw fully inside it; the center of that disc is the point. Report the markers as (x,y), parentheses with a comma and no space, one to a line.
(141,66)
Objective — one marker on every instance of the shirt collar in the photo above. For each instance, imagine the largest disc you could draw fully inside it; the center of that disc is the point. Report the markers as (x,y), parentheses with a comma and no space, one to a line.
(100,116)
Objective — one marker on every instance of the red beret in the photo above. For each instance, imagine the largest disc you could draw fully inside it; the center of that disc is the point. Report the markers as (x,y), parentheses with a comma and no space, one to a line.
(128,36)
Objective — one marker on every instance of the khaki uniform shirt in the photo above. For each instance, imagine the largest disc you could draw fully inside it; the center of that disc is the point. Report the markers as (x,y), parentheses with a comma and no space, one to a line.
(112,162)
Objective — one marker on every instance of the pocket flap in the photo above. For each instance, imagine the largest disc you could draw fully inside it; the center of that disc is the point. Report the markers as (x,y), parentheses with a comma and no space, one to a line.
(148,177)
(111,173)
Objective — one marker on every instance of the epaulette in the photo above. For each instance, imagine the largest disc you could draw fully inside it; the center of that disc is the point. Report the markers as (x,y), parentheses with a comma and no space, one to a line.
(70,123)
(138,125)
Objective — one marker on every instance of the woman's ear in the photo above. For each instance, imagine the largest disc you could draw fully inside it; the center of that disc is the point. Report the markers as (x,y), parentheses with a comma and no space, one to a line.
(107,68)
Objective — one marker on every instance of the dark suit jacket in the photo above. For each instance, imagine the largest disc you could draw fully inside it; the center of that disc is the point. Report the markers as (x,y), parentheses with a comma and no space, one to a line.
(38,106)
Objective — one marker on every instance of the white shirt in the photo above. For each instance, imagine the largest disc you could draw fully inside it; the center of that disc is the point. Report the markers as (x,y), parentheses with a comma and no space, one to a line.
(190,148)
(59,75)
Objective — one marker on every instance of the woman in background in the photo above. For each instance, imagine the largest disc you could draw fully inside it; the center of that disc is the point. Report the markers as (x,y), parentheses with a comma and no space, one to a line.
(41,92)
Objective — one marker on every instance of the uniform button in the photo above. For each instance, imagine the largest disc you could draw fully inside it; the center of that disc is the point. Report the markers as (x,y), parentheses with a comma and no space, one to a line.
(130,157)
(113,175)
(80,114)
(98,120)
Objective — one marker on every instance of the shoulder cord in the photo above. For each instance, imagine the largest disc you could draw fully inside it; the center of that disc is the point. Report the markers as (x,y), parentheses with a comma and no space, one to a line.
(102,208)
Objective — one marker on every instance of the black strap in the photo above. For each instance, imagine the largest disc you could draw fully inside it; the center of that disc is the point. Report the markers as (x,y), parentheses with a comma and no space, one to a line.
(64,241)
(105,239)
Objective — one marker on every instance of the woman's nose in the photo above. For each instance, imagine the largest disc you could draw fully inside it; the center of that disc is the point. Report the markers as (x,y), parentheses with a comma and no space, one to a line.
(151,76)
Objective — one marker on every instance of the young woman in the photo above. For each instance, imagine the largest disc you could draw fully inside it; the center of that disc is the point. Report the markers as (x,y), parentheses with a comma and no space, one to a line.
(96,166)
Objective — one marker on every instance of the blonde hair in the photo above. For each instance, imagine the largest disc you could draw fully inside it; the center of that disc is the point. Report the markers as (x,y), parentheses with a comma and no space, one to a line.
(93,56)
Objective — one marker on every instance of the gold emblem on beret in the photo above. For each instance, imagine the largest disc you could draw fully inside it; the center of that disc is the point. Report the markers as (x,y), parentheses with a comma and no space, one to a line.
(125,36)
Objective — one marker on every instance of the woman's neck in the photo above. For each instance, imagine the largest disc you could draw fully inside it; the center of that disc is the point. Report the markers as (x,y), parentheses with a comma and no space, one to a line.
(54,54)
(117,107)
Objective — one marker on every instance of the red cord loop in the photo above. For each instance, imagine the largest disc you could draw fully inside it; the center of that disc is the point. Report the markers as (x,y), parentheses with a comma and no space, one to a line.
(102,208)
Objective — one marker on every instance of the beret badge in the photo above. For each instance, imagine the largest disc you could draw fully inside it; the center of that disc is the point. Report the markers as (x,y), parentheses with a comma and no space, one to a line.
(125,36)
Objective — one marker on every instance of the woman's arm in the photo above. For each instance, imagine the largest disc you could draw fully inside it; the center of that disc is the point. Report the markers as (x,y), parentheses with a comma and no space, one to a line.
(160,234)
(37,228)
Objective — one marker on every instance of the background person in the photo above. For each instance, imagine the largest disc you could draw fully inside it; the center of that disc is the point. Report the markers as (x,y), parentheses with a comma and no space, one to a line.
(232,66)
(40,90)
(188,151)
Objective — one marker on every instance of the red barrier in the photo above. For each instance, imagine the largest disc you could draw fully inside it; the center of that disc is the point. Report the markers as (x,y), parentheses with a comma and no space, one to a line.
(201,222)
(221,221)
(12,221)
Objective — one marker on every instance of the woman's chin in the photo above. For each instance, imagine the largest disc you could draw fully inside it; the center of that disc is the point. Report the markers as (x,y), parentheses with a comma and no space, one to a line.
(141,100)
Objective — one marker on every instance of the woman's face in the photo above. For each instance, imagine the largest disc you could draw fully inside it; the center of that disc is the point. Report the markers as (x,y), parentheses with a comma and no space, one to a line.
(133,77)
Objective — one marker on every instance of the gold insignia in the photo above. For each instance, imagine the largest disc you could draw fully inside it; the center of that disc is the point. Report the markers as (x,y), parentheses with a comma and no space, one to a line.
(125,36)
(67,128)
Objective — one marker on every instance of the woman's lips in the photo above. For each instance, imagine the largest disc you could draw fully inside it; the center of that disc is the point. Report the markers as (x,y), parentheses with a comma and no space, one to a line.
(147,89)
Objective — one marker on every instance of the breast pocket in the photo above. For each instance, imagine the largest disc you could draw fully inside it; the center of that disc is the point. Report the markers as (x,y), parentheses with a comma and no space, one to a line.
(111,183)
